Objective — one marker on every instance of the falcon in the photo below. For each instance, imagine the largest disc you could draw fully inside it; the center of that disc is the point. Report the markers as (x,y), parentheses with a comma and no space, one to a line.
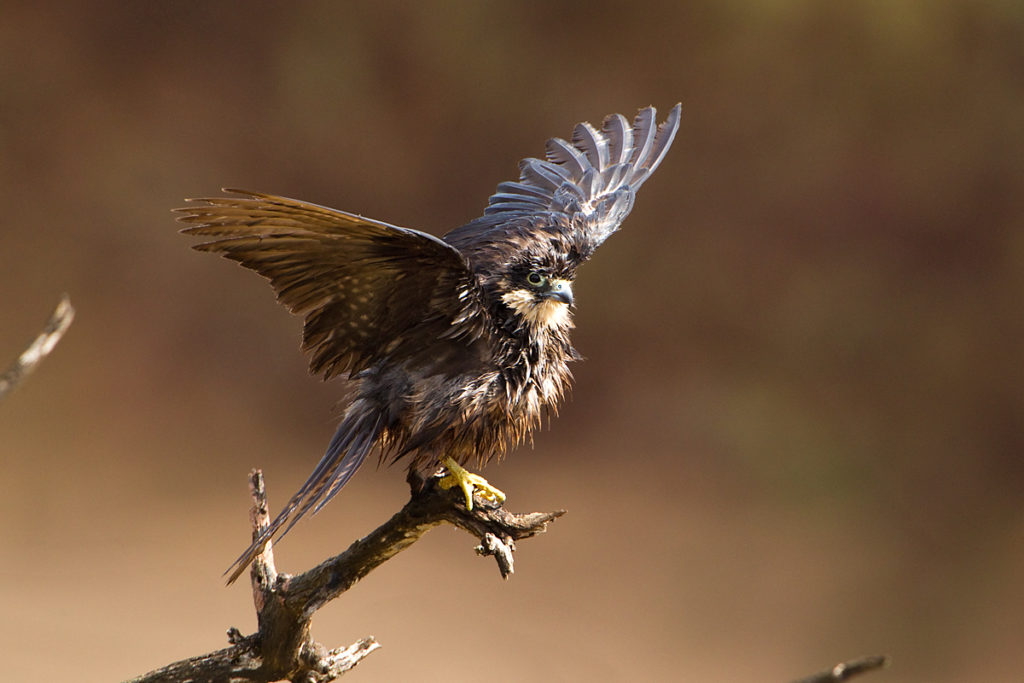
(456,347)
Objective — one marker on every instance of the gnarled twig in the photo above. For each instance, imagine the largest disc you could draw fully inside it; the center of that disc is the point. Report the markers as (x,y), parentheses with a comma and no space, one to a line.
(283,648)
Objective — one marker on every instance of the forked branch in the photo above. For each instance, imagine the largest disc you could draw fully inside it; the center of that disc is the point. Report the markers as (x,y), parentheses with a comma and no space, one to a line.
(282,648)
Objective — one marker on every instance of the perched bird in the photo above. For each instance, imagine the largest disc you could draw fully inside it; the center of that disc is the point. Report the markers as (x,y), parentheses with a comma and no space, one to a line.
(456,347)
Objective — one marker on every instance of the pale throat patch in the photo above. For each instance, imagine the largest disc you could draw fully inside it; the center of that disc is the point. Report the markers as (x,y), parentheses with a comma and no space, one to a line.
(543,314)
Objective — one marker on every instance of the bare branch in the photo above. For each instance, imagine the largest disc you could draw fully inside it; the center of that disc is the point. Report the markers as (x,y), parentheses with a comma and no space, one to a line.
(282,648)
(39,349)
(844,671)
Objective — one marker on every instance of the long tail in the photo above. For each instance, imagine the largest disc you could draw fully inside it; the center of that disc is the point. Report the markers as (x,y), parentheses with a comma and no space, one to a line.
(352,442)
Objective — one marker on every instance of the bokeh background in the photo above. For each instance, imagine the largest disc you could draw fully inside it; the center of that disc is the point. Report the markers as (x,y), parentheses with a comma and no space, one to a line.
(798,434)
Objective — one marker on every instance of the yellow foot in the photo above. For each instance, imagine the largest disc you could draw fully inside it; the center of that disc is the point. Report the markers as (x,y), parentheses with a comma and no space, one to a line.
(468,482)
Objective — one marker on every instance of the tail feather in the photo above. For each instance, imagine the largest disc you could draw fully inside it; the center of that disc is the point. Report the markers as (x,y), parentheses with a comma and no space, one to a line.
(352,442)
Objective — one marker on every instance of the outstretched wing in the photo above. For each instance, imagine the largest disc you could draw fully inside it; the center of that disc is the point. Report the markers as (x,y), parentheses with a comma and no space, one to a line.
(369,291)
(585,187)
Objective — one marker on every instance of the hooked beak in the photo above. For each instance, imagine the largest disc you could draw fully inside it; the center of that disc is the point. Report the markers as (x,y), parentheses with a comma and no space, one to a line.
(561,290)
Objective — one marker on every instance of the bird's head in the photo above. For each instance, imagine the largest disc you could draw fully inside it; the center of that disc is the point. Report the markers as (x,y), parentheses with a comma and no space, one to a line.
(538,294)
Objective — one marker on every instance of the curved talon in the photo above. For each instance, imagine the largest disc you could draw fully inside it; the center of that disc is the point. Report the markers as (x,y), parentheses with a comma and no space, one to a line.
(469,482)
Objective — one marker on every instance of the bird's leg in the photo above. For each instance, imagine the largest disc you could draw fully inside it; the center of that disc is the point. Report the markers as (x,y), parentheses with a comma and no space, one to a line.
(467,481)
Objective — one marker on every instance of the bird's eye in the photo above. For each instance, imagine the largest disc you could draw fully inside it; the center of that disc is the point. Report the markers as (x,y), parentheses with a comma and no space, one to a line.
(536,279)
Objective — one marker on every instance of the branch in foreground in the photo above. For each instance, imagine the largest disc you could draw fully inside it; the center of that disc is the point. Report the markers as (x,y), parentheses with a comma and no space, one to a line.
(39,349)
(844,671)
(282,648)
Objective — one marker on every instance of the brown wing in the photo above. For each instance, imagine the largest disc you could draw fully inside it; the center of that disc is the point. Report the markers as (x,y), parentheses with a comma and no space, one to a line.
(369,291)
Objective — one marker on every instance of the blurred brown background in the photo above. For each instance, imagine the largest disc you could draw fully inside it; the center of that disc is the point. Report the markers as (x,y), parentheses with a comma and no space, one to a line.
(798,435)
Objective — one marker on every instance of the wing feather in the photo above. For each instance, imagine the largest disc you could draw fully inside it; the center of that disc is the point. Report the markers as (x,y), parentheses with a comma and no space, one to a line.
(619,135)
(644,130)
(583,189)
(342,273)
(592,143)
(571,160)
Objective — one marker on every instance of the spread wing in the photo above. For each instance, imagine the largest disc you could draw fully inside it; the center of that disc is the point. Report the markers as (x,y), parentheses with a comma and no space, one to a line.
(584,186)
(368,290)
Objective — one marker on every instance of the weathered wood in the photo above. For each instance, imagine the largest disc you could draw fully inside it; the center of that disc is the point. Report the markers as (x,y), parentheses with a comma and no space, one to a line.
(283,648)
